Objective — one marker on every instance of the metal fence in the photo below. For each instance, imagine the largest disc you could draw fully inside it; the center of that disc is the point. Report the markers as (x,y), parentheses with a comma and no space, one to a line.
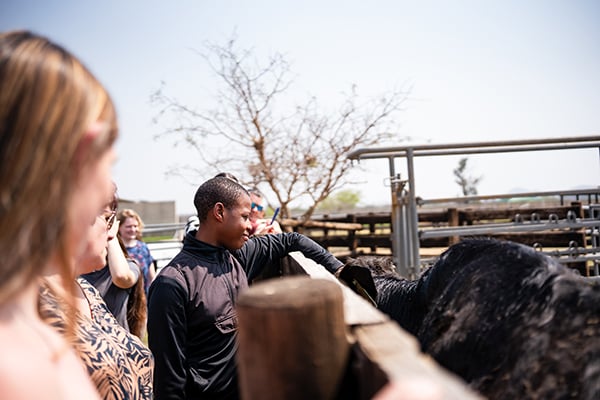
(405,240)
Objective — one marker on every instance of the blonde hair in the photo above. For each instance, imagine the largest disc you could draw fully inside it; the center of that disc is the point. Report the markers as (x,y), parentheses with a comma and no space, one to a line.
(48,102)
(129,213)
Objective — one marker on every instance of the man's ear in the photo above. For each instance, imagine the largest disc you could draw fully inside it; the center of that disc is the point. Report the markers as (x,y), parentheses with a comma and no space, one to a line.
(219,212)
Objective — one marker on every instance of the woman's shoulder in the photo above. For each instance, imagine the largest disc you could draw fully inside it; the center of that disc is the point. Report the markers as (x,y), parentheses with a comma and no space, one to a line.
(143,245)
(40,355)
(91,293)
(64,380)
(98,278)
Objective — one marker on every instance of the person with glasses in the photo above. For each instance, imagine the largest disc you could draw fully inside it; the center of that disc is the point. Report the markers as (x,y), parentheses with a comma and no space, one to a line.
(118,278)
(118,362)
(260,224)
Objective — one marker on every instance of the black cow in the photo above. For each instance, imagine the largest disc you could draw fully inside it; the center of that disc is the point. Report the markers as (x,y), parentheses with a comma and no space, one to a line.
(512,322)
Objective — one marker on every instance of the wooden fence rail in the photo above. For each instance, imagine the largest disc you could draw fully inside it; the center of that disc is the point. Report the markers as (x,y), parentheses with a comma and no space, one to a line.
(293,344)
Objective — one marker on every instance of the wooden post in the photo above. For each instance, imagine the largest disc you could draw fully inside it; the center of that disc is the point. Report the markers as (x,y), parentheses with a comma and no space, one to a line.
(292,339)
(453,221)
(372,232)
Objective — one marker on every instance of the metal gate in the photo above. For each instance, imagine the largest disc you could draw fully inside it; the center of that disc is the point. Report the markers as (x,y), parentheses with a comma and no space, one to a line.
(405,228)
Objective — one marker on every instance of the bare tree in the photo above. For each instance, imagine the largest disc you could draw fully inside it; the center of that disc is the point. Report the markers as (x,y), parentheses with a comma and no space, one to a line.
(468,184)
(295,155)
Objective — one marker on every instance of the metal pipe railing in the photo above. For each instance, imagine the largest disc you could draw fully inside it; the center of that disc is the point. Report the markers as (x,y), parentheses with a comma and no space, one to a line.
(448,149)
(511,227)
(163,227)
(405,221)
(560,193)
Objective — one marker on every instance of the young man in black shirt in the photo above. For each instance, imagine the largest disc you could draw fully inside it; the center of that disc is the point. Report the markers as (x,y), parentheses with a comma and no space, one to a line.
(192,324)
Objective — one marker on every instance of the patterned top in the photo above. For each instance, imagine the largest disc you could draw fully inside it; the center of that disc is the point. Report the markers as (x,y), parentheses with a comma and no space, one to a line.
(120,365)
(141,253)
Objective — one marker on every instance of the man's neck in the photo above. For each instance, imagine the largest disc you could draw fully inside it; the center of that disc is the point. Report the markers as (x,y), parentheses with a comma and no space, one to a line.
(207,236)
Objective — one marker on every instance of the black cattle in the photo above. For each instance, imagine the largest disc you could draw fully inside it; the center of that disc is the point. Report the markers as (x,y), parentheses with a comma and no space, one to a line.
(512,322)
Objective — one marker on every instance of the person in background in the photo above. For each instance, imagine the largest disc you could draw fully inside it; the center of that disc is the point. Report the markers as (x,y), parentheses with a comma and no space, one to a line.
(130,232)
(117,361)
(192,324)
(119,280)
(260,224)
(57,129)
(192,224)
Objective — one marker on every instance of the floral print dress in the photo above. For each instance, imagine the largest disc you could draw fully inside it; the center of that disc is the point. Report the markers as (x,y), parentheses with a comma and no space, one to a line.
(120,365)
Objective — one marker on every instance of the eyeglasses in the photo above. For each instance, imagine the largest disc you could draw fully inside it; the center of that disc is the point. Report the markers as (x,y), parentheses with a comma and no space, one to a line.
(109,217)
(257,206)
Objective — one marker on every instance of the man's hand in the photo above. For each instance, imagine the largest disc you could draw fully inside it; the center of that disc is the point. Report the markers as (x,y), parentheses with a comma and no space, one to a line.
(264,227)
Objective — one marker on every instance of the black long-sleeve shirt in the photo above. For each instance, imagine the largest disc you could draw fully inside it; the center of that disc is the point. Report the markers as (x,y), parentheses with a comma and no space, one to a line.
(115,297)
(192,324)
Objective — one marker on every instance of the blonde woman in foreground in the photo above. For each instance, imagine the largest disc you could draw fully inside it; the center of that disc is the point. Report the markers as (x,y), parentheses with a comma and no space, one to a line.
(57,129)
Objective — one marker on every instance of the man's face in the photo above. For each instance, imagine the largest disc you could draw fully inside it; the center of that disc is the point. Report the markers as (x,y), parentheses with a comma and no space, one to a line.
(257,207)
(236,225)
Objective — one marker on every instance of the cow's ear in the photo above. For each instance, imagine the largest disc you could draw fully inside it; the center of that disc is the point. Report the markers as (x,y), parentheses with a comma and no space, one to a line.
(359,279)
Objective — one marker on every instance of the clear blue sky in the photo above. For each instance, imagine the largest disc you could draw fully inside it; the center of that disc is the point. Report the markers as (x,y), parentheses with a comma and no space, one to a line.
(480,70)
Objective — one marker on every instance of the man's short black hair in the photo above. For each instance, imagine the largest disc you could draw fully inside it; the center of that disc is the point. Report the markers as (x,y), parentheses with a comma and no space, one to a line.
(228,175)
(215,190)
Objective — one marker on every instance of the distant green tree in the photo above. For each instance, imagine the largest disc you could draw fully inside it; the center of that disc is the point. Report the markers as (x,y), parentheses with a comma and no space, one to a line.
(341,200)
(468,184)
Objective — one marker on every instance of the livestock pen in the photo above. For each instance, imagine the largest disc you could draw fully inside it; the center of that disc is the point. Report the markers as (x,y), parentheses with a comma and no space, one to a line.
(564,225)
(405,234)
(416,230)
